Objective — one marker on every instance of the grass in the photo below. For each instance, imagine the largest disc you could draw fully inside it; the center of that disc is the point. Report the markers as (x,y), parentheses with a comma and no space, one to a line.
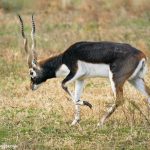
(41,119)
(31,128)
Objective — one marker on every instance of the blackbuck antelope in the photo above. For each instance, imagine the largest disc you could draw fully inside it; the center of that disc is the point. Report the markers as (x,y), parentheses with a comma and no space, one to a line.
(119,62)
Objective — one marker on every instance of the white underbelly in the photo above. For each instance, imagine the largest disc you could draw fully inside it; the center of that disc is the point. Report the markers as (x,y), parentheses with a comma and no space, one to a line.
(85,70)
(93,70)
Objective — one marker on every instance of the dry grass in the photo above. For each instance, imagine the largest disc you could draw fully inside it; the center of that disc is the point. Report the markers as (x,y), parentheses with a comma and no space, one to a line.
(41,119)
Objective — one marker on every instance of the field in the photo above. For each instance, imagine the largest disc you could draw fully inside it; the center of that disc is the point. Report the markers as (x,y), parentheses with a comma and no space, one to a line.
(41,119)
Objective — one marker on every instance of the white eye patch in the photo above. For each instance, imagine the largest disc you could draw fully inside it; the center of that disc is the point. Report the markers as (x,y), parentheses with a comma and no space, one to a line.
(32,73)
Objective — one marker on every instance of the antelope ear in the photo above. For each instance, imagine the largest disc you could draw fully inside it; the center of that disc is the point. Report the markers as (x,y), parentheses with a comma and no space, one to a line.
(34,63)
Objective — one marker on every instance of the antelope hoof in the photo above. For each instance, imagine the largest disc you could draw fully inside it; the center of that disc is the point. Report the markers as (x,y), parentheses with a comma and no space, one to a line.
(100,125)
(75,122)
(87,104)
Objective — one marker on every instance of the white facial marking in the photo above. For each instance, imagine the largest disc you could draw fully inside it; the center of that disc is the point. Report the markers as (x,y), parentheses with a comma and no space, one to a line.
(32,73)
(35,86)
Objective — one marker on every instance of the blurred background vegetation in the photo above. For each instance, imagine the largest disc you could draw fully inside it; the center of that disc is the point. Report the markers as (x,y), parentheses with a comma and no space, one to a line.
(60,23)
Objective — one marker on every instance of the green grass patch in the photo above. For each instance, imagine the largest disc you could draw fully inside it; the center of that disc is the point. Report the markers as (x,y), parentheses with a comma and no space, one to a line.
(3,134)
(37,127)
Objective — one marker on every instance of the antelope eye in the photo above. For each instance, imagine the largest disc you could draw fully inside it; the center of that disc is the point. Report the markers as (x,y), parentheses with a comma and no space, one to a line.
(32,74)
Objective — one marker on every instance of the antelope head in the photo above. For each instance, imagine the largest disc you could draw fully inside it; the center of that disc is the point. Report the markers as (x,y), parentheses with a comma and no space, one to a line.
(35,70)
